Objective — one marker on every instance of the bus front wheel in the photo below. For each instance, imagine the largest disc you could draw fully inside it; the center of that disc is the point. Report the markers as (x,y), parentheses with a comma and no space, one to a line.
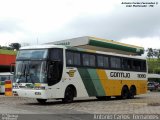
(69,95)
(42,101)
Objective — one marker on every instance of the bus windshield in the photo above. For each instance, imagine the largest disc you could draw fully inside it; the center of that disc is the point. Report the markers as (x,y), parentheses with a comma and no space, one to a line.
(31,72)
(32,54)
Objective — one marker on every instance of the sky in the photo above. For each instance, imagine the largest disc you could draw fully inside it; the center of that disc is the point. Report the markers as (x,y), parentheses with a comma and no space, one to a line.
(41,21)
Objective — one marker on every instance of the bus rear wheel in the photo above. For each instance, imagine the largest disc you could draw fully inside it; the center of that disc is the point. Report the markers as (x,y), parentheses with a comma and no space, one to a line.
(132,92)
(42,101)
(69,95)
(124,93)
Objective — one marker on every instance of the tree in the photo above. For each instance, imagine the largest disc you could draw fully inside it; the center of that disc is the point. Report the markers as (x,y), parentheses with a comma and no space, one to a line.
(156,53)
(15,46)
(150,53)
(154,60)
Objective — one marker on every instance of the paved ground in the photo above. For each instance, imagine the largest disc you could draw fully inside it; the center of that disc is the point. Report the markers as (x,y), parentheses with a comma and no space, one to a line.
(142,104)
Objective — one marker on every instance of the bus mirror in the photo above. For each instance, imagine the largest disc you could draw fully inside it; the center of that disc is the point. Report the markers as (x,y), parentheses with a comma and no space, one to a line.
(12,68)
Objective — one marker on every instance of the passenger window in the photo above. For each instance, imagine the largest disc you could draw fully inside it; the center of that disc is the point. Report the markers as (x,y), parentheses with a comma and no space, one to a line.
(115,62)
(126,64)
(143,65)
(77,60)
(102,61)
(92,60)
(136,65)
(106,64)
(89,60)
(69,58)
(85,59)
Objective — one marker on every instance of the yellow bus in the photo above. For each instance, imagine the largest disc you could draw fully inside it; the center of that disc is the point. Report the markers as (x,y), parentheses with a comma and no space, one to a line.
(62,72)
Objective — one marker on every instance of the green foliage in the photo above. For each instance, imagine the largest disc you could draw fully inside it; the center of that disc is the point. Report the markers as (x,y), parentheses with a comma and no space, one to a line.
(153,65)
(15,46)
(150,52)
(153,53)
(5,48)
(153,60)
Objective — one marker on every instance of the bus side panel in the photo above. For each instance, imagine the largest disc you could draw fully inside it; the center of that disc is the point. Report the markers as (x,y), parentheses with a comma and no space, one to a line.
(71,76)
(87,81)
(142,86)
(107,84)
(97,82)
(113,86)
(91,82)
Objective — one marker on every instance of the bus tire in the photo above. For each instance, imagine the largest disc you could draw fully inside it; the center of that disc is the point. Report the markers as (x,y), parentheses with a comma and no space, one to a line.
(42,101)
(69,95)
(132,92)
(124,92)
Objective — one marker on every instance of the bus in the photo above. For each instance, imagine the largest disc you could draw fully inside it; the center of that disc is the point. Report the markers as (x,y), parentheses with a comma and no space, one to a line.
(4,76)
(61,72)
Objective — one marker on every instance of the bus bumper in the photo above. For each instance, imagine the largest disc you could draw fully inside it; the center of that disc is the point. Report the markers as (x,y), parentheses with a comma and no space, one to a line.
(41,94)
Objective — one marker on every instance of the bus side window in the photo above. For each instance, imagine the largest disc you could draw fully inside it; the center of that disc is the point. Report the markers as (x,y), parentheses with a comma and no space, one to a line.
(115,62)
(69,58)
(143,66)
(89,60)
(102,61)
(77,60)
(126,64)
(56,54)
(73,58)
(136,65)
(92,60)
(85,59)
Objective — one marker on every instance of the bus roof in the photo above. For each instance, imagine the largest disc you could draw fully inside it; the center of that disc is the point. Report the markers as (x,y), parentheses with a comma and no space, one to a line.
(44,46)
(99,44)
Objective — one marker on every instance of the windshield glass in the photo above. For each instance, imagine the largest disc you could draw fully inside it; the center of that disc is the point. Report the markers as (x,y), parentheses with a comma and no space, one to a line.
(32,54)
(31,72)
